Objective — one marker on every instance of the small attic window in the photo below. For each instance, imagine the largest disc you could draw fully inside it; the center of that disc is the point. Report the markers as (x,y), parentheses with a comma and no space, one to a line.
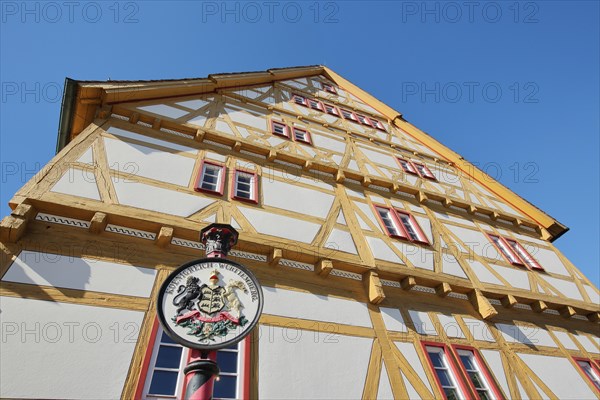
(300,100)
(349,115)
(329,88)
(377,125)
(316,105)
(210,179)
(331,110)
(302,135)
(424,171)
(401,224)
(514,252)
(364,120)
(280,129)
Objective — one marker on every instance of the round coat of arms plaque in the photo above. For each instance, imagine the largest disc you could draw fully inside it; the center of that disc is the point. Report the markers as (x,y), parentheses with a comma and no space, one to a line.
(210,303)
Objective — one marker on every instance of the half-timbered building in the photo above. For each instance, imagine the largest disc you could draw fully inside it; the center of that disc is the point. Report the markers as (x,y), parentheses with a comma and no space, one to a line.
(391,267)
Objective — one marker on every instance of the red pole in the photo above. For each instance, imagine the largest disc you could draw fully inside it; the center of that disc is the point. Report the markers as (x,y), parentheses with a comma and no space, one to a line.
(200,375)
(202,367)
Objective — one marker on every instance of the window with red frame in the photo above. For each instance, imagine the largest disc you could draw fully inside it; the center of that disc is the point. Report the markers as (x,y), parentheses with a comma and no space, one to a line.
(163,376)
(301,135)
(377,125)
(316,105)
(245,186)
(590,370)
(280,129)
(294,133)
(514,252)
(445,371)
(349,115)
(211,178)
(424,171)
(329,88)
(329,109)
(300,100)
(478,376)
(401,224)
(364,120)
(415,168)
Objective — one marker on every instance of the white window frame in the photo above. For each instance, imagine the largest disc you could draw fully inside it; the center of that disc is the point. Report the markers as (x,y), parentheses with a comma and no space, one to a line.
(185,355)
(448,367)
(253,185)
(479,369)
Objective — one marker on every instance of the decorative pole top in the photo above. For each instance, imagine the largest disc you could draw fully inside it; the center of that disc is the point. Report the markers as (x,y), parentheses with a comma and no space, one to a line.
(218,239)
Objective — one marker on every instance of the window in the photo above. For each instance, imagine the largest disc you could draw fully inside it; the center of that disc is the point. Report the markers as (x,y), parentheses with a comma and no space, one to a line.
(163,377)
(245,186)
(315,105)
(280,129)
(416,168)
(424,171)
(300,100)
(400,224)
(297,134)
(329,88)
(301,135)
(377,124)
(514,252)
(445,371)
(364,120)
(210,178)
(479,378)
(331,110)
(590,371)
(349,115)
(407,166)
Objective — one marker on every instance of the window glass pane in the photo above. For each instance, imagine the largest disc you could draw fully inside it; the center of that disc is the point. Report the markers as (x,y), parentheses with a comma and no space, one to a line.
(507,253)
(476,379)
(444,378)
(484,395)
(168,357)
(227,361)
(467,362)
(166,339)
(225,387)
(387,221)
(409,226)
(436,359)
(451,394)
(163,382)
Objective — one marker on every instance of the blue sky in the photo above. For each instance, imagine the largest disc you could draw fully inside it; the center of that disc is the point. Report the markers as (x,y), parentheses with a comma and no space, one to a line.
(512,86)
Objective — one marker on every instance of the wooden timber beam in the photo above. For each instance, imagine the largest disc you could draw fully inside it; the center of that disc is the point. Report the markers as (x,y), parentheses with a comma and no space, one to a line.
(324,267)
(373,287)
(481,304)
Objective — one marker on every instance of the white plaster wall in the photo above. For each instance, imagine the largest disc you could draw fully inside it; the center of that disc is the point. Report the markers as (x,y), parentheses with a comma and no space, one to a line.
(154,198)
(87,157)
(65,351)
(530,335)
(425,225)
(422,322)
(454,218)
(164,110)
(289,303)
(280,226)
(483,274)
(565,340)
(148,162)
(494,361)
(77,182)
(384,391)
(296,198)
(223,126)
(340,240)
(588,344)
(548,260)
(420,257)
(195,104)
(516,277)
(410,353)
(393,319)
(451,266)
(450,326)
(593,294)
(377,157)
(479,329)
(294,364)
(382,251)
(244,116)
(324,142)
(80,273)
(475,241)
(143,138)
(198,120)
(567,288)
(559,375)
